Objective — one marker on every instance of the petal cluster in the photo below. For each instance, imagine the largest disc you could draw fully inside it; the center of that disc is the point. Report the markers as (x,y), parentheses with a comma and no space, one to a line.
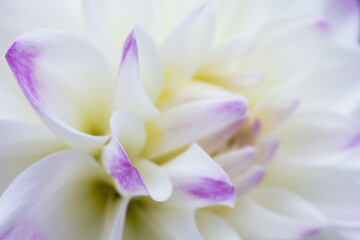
(167,120)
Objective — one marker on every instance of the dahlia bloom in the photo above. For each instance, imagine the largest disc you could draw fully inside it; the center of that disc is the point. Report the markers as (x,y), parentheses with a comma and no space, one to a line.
(160,120)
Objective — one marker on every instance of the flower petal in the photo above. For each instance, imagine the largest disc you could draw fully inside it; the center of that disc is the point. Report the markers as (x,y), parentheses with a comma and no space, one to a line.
(275,110)
(213,227)
(236,160)
(318,136)
(330,187)
(96,33)
(198,180)
(116,163)
(129,91)
(119,223)
(157,183)
(307,39)
(119,16)
(191,122)
(248,180)
(137,178)
(177,223)
(21,144)
(344,16)
(186,47)
(275,214)
(64,188)
(151,70)
(67,94)
(335,76)
(129,130)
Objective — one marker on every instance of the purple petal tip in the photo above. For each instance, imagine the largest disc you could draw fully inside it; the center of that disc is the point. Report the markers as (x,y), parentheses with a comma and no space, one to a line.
(310,233)
(130,46)
(213,190)
(21,61)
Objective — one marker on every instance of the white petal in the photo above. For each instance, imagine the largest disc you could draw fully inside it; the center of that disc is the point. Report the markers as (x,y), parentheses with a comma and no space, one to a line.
(335,76)
(315,136)
(344,15)
(267,148)
(157,182)
(56,198)
(198,180)
(129,91)
(71,96)
(118,17)
(332,187)
(248,180)
(118,226)
(213,227)
(178,223)
(151,70)
(22,144)
(224,53)
(116,163)
(236,160)
(306,39)
(275,214)
(186,47)
(96,33)
(191,122)
(129,130)
(275,110)
(214,142)
(139,177)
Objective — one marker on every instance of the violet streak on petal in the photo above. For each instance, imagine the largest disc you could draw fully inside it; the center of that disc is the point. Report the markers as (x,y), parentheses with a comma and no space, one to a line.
(21,62)
(210,189)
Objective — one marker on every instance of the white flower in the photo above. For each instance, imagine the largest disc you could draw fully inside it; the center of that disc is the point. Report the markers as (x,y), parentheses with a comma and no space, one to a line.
(179,82)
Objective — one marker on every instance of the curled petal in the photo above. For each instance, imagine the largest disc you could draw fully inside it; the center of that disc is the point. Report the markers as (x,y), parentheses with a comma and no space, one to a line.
(213,227)
(130,92)
(198,180)
(191,122)
(22,144)
(185,48)
(67,95)
(275,214)
(64,188)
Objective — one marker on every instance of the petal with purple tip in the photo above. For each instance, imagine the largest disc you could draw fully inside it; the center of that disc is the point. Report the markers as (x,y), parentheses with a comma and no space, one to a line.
(198,180)
(274,213)
(191,122)
(129,92)
(184,49)
(139,177)
(64,187)
(248,180)
(309,138)
(67,94)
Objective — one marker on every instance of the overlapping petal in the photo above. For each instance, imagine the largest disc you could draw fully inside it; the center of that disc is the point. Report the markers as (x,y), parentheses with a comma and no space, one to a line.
(56,198)
(71,93)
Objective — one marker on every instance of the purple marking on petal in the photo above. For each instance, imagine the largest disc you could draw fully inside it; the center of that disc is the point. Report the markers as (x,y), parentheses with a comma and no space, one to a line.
(130,47)
(323,26)
(355,142)
(197,11)
(310,233)
(21,62)
(249,180)
(212,143)
(23,230)
(125,174)
(211,189)
(341,8)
